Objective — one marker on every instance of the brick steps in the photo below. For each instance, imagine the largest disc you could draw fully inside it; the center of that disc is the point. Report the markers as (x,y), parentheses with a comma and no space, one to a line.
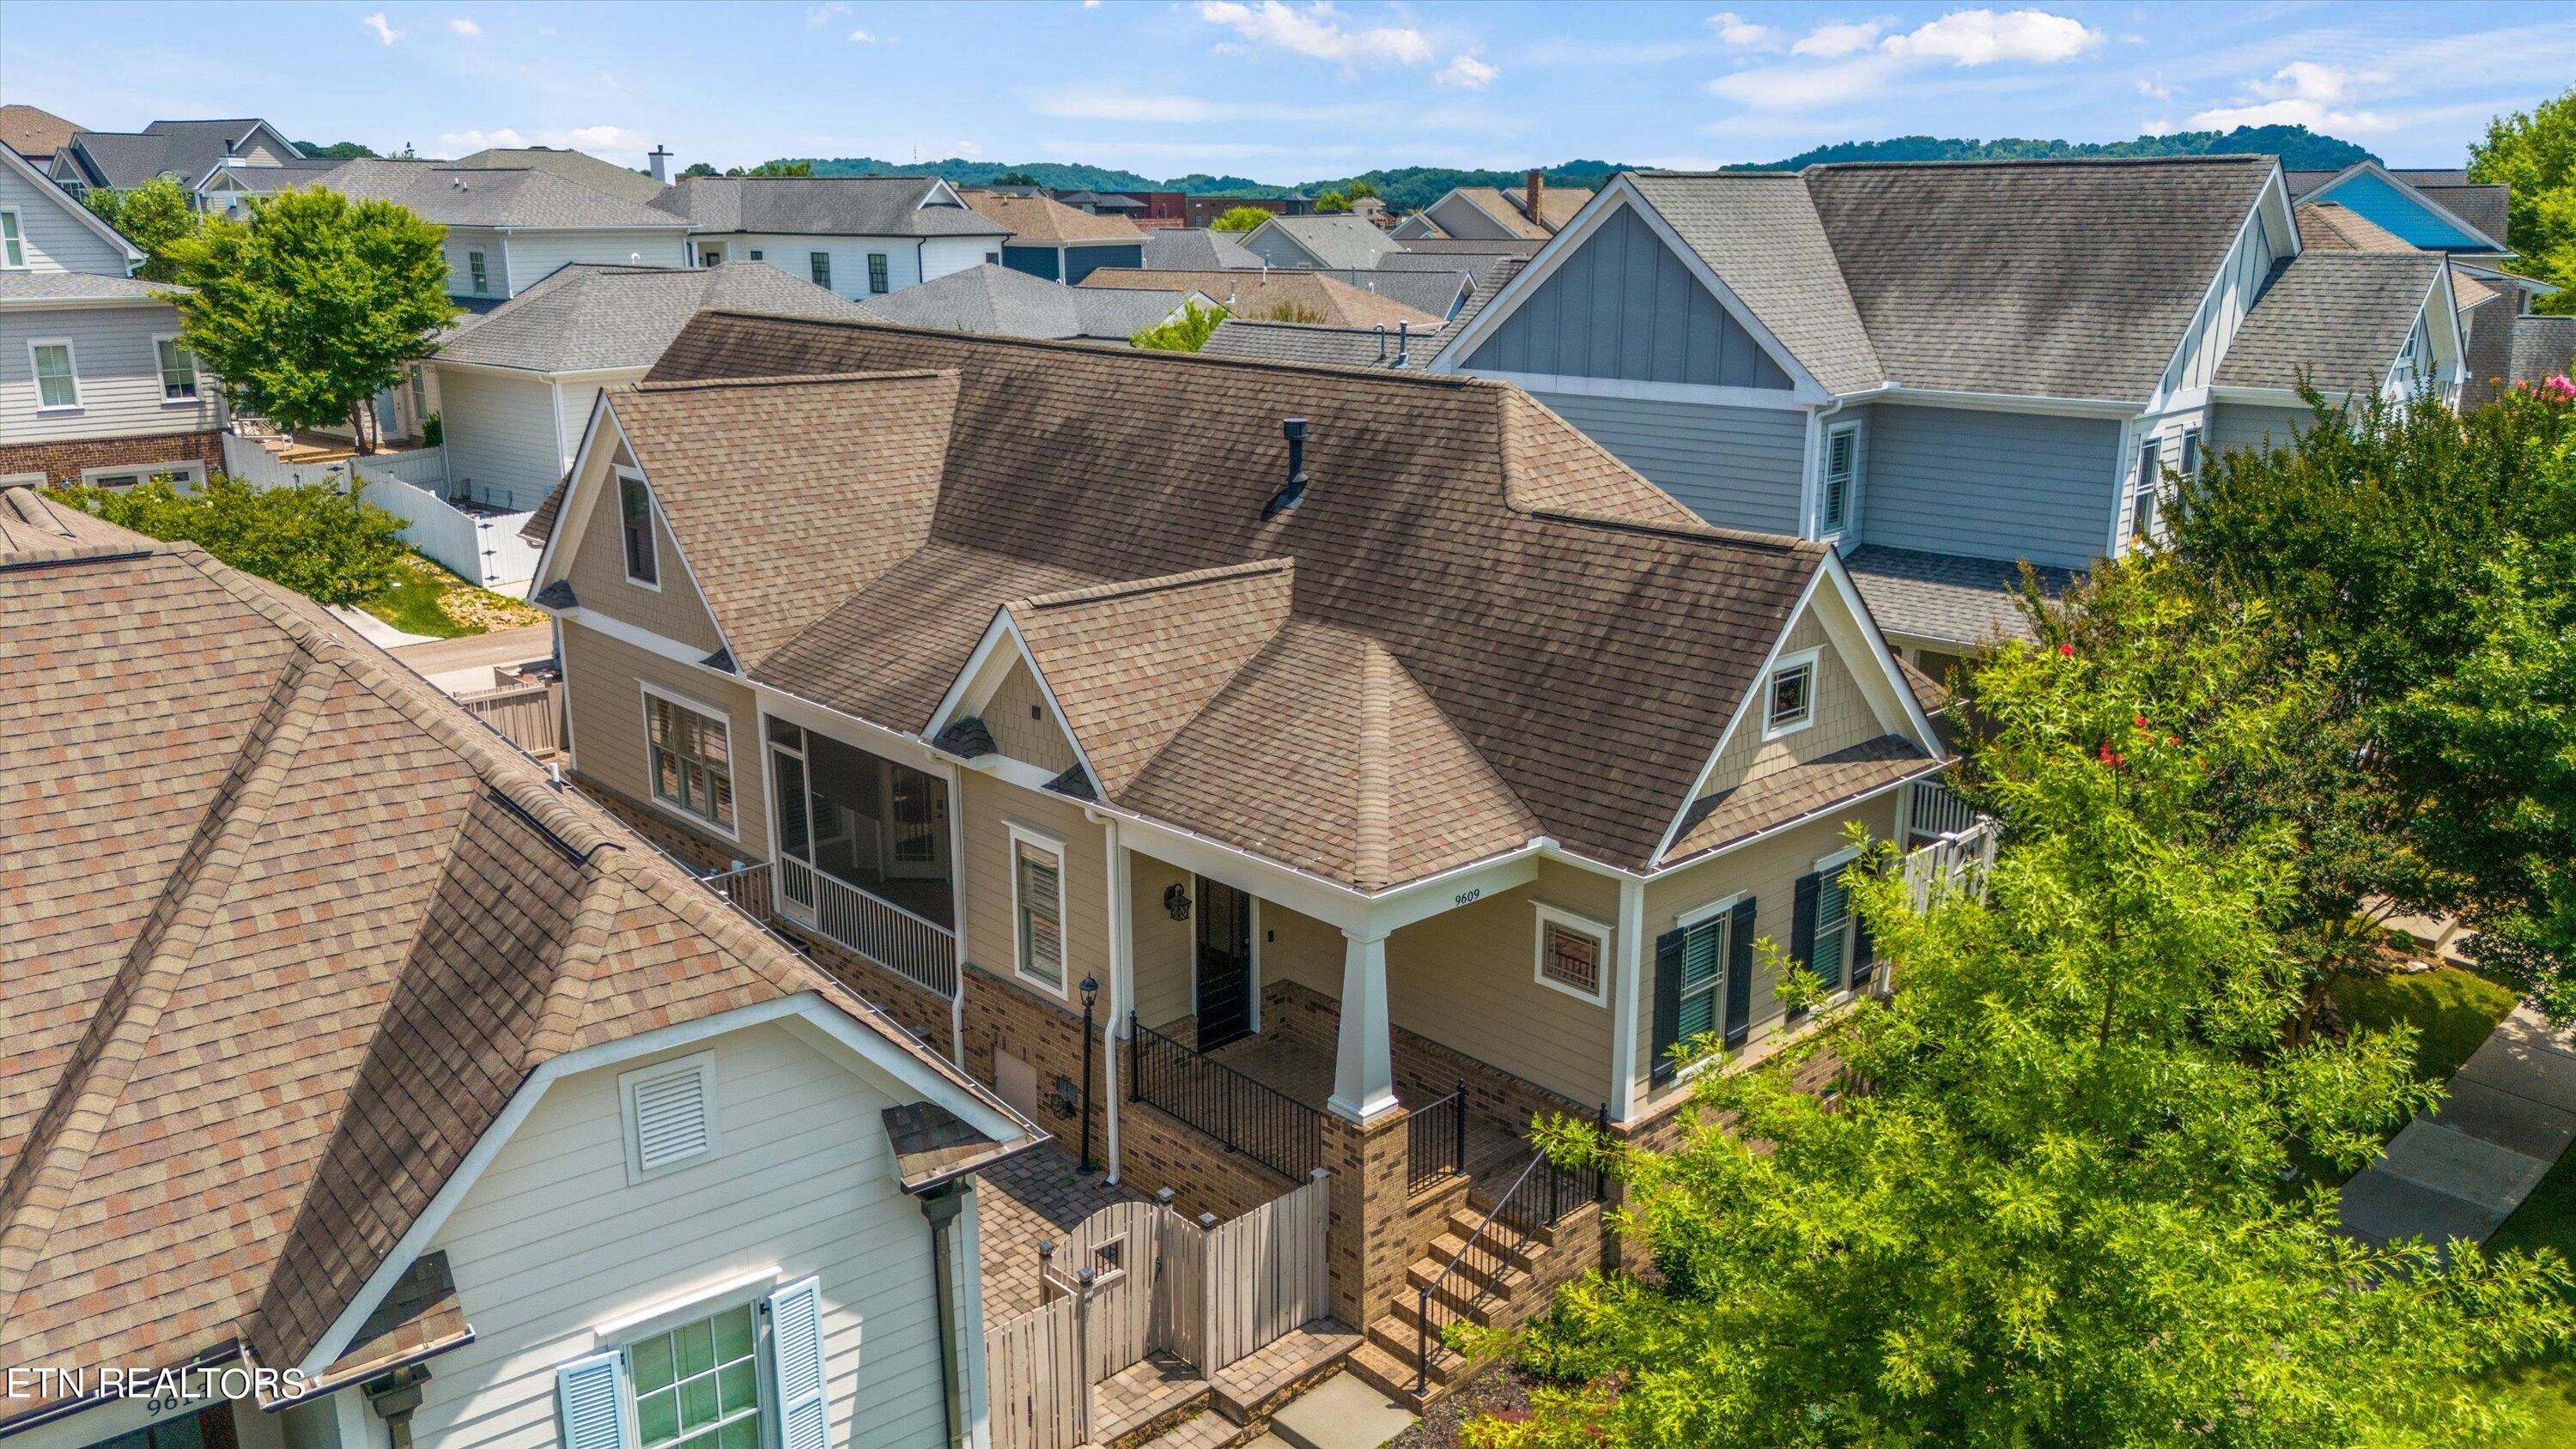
(1492,1285)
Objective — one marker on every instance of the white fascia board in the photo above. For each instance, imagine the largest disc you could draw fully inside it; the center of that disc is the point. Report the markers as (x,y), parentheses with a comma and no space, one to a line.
(2275,397)
(1930,768)
(1785,399)
(1621,192)
(811,1009)
(14,306)
(972,684)
(2001,402)
(565,537)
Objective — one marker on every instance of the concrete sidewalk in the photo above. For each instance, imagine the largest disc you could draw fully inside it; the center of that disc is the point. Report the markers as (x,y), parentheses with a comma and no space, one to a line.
(2460,1172)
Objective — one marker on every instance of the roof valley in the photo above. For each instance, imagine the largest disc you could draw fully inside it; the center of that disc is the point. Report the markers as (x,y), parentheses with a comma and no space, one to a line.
(59,1143)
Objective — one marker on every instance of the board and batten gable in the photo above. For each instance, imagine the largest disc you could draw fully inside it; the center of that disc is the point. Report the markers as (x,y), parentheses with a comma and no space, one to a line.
(1737,467)
(1990,484)
(1622,306)
(554,1241)
(51,232)
(2264,240)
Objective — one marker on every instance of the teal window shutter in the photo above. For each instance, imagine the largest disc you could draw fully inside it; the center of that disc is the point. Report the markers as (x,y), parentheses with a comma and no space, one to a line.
(796,1364)
(592,1402)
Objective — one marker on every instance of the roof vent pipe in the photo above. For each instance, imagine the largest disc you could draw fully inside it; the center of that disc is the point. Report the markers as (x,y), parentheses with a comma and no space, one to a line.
(1403,340)
(1294,429)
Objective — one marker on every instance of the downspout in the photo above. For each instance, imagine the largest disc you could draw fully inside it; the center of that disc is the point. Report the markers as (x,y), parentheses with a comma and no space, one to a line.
(1121,980)
(940,1205)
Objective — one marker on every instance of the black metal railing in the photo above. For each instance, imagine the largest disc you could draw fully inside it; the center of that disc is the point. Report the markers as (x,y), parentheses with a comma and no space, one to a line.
(1435,1140)
(1264,1124)
(1475,1275)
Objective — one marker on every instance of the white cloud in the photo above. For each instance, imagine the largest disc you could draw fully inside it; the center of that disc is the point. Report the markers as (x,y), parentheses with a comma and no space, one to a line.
(1317,31)
(822,15)
(2302,93)
(969,150)
(1841,38)
(613,142)
(1735,30)
(862,37)
(1801,88)
(383,29)
(2155,89)
(463,26)
(1979,37)
(1467,73)
(1090,4)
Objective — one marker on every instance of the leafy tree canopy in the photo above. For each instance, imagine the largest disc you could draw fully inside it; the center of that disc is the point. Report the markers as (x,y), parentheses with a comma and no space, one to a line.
(315,539)
(313,305)
(1240,218)
(155,216)
(775,168)
(1185,333)
(344,150)
(1360,188)
(1332,201)
(2053,1215)
(695,169)
(1015,178)
(2535,153)
(2421,566)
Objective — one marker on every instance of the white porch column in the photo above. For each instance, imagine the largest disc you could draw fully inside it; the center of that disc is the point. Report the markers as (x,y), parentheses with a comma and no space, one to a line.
(1363,1066)
(1629,944)
(1122,980)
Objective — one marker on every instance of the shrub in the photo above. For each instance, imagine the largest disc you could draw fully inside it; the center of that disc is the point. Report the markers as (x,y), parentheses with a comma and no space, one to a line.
(1240,218)
(1185,333)
(328,545)
(433,431)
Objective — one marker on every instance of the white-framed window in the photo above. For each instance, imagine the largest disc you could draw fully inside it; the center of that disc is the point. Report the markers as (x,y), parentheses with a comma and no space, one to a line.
(482,275)
(126,475)
(878,279)
(1705,944)
(1841,485)
(2146,489)
(2190,453)
(1830,958)
(57,367)
(13,242)
(689,757)
(820,264)
(755,254)
(1037,909)
(992,258)
(1573,955)
(670,1113)
(642,552)
(738,1369)
(1789,695)
(178,369)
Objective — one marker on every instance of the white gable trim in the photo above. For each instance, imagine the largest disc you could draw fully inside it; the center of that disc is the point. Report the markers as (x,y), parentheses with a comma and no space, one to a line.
(2275,193)
(564,543)
(985,669)
(1855,635)
(805,1010)
(1604,203)
(48,188)
(2441,212)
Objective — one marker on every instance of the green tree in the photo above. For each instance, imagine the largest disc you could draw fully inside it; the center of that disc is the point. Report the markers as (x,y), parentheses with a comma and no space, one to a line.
(2046,1209)
(695,169)
(1239,218)
(1357,189)
(2421,566)
(1332,201)
(2534,152)
(154,216)
(313,305)
(1014,178)
(314,538)
(776,168)
(342,150)
(1186,333)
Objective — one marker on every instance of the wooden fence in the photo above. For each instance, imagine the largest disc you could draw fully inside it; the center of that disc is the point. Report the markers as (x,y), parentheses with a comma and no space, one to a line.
(531,715)
(1137,1277)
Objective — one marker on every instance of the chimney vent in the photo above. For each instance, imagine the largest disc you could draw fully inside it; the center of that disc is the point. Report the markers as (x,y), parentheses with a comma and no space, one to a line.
(1294,429)
(1403,341)
(661,160)
(1537,190)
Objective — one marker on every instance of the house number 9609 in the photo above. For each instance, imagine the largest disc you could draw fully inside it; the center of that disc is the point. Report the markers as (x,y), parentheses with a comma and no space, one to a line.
(1465,896)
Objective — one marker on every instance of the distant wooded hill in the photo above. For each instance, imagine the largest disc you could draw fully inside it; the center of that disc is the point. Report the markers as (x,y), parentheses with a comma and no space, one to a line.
(1409,188)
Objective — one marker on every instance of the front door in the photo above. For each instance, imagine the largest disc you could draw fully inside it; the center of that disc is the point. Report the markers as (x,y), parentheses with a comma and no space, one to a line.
(1225,964)
(916,826)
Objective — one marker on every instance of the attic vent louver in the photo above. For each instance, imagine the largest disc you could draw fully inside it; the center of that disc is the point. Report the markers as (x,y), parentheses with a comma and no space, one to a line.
(670,1115)
(1294,429)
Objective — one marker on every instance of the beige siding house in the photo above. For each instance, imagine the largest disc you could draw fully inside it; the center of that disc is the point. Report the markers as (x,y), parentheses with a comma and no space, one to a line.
(1369,790)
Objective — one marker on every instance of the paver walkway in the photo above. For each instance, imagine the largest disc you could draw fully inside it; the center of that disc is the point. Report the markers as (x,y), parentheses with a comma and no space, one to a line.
(2460,1172)
(1027,1200)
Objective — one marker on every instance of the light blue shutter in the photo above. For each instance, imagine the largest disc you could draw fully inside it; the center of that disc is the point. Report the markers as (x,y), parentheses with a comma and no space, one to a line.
(796,1364)
(590,1402)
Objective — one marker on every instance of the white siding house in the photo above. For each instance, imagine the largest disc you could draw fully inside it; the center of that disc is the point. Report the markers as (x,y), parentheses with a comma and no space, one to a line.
(856,236)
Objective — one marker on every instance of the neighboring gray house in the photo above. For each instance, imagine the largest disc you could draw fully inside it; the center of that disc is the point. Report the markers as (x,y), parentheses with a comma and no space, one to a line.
(1198,249)
(994,298)
(202,156)
(1946,368)
(1339,240)
(1370,347)
(514,386)
(94,387)
(577,166)
(508,230)
(859,236)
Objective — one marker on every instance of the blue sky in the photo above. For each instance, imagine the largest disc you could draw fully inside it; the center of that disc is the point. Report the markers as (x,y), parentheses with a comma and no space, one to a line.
(1284,91)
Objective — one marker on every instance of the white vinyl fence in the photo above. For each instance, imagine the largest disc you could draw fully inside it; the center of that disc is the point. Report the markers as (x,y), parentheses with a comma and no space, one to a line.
(483,548)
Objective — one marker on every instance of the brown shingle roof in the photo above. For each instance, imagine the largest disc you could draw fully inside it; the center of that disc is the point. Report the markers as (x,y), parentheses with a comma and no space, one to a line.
(1317,297)
(1571,625)
(32,132)
(1798,791)
(285,931)
(1045,221)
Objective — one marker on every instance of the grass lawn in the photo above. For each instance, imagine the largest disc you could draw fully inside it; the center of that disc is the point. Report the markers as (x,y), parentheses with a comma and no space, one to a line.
(2451,1010)
(432,601)
(2546,1390)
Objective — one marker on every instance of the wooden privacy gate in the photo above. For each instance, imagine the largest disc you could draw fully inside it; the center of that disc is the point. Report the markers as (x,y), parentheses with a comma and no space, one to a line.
(1137,1277)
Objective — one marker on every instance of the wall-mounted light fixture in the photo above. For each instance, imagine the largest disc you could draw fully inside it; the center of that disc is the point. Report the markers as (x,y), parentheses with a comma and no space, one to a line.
(1176,901)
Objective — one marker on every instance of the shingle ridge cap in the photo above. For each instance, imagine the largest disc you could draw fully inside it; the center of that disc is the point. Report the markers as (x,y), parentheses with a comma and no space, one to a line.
(813,379)
(1996,163)
(1161,583)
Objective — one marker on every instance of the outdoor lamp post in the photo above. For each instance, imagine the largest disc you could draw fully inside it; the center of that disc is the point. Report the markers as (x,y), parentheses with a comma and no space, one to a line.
(1090,994)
